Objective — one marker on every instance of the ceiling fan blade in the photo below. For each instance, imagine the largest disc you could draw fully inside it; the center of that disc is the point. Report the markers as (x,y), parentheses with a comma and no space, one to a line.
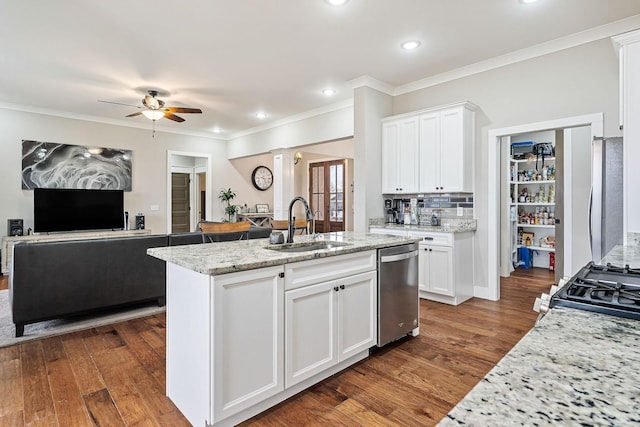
(173,117)
(120,103)
(182,110)
(134,114)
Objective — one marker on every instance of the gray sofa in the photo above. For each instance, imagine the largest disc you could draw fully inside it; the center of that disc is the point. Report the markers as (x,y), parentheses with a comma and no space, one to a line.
(65,278)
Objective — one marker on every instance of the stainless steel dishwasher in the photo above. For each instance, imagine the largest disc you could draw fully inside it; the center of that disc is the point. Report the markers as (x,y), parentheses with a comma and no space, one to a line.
(398,301)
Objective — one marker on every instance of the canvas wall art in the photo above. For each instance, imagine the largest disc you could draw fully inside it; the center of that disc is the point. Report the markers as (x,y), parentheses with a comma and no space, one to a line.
(51,165)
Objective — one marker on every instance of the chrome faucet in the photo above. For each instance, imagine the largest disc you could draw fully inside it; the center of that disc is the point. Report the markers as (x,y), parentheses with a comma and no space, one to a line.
(317,212)
(292,219)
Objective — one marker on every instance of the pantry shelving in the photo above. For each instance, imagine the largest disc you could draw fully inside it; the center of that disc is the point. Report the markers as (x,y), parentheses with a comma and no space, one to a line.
(532,210)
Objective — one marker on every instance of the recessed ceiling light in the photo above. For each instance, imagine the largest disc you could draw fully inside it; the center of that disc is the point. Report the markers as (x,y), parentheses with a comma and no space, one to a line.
(328,92)
(261,115)
(217,130)
(410,45)
(528,1)
(337,2)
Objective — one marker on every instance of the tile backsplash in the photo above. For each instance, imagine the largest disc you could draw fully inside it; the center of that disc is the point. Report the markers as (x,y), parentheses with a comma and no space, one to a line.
(445,205)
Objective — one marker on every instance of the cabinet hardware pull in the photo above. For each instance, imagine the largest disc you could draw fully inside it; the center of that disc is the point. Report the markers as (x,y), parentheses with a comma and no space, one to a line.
(428,238)
(336,289)
(341,286)
(281,275)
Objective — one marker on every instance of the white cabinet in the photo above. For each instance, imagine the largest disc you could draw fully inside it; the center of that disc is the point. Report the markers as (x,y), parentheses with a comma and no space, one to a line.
(429,151)
(248,357)
(446,150)
(445,266)
(327,323)
(400,156)
(436,269)
(225,341)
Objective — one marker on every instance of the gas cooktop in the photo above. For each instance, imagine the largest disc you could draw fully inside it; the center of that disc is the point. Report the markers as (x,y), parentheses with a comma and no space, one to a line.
(603,289)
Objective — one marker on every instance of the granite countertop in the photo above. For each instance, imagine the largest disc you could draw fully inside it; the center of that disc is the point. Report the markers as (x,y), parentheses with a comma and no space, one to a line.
(228,257)
(622,255)
(574,367)
(454,227)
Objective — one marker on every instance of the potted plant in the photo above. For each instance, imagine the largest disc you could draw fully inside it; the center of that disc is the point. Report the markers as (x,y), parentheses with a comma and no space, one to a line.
(227,196)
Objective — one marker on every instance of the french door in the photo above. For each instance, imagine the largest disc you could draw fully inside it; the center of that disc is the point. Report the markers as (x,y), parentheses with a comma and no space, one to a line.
(326,192)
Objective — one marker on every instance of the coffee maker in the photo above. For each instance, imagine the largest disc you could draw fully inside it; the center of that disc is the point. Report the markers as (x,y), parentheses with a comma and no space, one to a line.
(391,211)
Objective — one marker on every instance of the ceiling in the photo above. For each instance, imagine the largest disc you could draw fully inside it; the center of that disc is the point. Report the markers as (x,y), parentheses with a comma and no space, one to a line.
(233,58)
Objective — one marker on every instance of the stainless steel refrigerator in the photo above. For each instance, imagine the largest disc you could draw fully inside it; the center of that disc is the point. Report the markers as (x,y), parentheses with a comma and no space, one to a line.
(605,207)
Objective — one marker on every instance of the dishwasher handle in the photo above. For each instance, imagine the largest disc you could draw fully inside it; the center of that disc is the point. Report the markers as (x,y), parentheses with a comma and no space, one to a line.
(398,257)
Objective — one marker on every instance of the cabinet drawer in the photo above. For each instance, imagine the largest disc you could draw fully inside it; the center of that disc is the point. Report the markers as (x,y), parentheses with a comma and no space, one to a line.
(433,238)
(389,231)
(305,273)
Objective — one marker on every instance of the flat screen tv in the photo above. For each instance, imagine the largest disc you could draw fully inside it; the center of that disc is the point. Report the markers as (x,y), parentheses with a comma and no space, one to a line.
(57,209)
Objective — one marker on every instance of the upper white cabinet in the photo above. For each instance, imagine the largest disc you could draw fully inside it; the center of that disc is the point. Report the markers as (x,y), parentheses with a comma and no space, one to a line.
(400,149)
(440,153)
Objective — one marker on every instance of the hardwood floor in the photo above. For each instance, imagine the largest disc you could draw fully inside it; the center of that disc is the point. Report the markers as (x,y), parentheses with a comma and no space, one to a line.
(4,282)
(115,375)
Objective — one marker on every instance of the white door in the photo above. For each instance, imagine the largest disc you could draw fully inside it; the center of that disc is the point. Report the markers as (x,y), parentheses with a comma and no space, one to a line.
(451,150)
(430,152)
(248,361)
(310,330)
(441,270)
(408,160)
(390,142)
(357,305)
(423,268)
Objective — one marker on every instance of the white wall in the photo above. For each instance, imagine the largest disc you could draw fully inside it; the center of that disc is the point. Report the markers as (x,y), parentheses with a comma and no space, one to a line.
(577,81)
(329,126)
(149,162)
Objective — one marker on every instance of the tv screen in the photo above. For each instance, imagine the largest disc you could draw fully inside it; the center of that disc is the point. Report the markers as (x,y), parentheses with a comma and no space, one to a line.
(57,209)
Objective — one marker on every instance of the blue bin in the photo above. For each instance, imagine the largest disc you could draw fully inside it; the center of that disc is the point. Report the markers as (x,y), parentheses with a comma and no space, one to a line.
(525,256)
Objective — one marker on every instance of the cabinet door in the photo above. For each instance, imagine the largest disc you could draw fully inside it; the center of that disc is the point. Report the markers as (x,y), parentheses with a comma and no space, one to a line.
(452,150)
(430,152)
(357,303)
(408,156)
(310,330)
(423,268)
(248,359)
(390,143)
(400,160)
(440,272)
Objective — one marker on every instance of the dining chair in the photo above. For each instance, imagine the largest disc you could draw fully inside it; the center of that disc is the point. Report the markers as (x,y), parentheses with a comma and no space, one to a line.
(224,231)
(282,224)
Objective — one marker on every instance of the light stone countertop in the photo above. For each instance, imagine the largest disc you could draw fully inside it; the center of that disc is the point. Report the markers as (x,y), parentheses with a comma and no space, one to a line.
(227,257)
(460,226)
(574,367)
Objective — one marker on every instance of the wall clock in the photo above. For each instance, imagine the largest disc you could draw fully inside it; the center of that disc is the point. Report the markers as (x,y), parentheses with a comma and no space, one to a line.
(262,178)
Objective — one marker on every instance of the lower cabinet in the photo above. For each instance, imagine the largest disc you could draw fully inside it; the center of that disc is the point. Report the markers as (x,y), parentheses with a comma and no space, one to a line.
(327,323)
(239,343)
(248,344)
(445,266)
(436,270)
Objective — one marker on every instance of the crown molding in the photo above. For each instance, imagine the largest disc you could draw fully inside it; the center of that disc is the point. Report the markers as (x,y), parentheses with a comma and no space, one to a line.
(371,82)
(593,34)
(627,38)
(102,120)
(295,118)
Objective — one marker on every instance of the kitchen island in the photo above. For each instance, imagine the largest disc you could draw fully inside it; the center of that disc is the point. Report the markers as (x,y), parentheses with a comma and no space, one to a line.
(250,324)
(574,367)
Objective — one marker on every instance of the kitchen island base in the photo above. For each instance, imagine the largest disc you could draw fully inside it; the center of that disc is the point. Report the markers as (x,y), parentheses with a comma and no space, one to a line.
(227,357)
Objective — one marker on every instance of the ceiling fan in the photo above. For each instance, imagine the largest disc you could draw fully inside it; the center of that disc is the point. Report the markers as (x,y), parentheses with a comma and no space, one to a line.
(154,109)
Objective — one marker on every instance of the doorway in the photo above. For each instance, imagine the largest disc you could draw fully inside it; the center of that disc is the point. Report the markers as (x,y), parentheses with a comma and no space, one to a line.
(326,193)
(494,213)
(188,178)
(180,202)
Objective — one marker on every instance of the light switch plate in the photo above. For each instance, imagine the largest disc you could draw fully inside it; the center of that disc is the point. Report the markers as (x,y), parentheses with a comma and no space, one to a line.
(155,207)
(460,211)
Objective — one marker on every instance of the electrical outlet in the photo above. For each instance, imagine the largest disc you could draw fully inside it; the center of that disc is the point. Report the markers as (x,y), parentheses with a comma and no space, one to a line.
(460,211)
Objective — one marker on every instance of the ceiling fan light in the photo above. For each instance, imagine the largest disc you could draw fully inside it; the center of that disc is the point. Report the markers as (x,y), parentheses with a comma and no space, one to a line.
(153,114)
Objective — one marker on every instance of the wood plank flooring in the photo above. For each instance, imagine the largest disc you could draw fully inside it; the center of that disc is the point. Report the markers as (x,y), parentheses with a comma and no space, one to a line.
(115,375)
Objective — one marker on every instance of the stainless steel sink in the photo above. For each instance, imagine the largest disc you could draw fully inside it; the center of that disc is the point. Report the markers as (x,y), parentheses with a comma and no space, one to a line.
(308,246)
